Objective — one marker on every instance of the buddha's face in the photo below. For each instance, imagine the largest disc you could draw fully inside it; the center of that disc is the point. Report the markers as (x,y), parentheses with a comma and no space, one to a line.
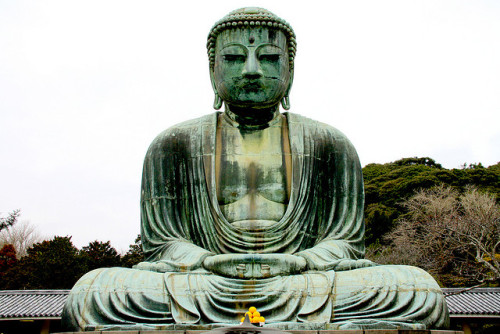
(251,67)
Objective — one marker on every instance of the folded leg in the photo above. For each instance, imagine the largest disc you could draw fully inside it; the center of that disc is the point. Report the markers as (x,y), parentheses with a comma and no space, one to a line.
(388,297)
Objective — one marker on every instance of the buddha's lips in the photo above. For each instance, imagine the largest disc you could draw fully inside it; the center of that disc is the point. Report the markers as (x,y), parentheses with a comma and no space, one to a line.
(253,84)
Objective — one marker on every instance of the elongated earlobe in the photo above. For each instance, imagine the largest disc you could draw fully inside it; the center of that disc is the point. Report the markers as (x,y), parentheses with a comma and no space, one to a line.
(217,102)
(285,103)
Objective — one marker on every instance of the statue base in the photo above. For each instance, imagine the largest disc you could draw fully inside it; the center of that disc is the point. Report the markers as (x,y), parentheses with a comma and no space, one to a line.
(258,330)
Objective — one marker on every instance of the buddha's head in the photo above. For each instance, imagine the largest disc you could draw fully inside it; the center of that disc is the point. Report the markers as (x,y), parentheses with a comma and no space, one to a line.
(251,53)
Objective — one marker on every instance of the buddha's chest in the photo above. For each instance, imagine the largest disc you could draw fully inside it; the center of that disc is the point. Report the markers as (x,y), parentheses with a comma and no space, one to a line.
(242,174)
(251,172)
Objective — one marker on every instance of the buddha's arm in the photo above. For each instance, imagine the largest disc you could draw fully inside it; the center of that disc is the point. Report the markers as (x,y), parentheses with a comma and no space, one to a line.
(177,256)
(336,185)
(333,254)
(175,217)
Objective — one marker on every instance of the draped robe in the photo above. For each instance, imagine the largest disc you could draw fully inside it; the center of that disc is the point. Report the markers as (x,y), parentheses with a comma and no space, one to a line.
(182,224)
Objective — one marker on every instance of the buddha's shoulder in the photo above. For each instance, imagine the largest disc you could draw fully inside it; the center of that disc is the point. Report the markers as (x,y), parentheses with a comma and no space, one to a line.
(186,129)
(316,128)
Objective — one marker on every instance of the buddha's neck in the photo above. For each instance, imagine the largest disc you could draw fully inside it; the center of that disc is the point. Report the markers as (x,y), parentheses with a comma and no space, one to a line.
(251,118)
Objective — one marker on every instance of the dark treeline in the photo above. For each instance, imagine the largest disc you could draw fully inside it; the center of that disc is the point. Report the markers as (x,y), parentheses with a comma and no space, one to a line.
(388,185)
(416,215)
(58,264)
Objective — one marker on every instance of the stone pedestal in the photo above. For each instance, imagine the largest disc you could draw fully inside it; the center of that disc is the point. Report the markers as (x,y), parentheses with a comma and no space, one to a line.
(366,331)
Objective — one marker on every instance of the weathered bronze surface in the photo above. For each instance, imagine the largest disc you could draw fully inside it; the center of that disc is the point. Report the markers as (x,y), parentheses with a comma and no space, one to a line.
(268,330)
(253,207)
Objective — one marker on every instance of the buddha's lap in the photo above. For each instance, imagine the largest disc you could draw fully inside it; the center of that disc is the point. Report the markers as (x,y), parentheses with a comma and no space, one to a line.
(346,287)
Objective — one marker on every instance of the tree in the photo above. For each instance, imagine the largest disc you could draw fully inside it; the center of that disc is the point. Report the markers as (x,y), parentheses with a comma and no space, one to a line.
(380,218)
(8,221)
(100,254)
(22,235)
(51,264)
(388,185)
(134,254)
(476,232)
(454,236)
(418,161)
(7,259)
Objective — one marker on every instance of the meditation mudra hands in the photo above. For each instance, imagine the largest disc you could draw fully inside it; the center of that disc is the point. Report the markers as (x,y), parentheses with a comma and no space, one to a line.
(270,265)
(255,266)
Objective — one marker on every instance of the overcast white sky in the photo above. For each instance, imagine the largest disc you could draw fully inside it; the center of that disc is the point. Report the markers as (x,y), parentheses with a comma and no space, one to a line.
(85,86)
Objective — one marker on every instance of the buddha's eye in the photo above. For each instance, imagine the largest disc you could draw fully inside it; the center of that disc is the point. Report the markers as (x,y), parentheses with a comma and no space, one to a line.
(233,58)
(269,57)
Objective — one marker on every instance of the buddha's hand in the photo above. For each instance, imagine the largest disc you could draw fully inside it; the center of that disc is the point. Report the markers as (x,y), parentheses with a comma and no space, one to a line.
(159,266)
(350,264)
(254,265)
(164,266)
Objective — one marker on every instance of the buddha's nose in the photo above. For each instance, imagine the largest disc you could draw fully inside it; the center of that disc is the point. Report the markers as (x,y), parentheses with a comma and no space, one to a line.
(252,68)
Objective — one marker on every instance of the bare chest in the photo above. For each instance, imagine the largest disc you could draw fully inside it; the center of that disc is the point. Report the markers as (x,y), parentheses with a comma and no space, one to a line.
(252,172)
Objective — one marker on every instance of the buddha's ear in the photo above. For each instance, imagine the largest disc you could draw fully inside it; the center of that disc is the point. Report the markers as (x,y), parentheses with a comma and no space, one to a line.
(217,100)
(285,102)
(289,88)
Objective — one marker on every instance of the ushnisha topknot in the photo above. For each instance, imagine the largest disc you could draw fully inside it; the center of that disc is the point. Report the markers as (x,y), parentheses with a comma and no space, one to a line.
(251,17)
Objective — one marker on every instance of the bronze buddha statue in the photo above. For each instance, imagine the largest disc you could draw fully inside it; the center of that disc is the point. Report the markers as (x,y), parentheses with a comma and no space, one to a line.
(252,206)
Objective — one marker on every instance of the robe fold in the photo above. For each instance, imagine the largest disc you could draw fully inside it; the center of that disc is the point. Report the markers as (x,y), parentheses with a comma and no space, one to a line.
(182,221)
(182,224)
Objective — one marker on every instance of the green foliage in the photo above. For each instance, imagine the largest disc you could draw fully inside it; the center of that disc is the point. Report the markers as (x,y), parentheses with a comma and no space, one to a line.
(58,264)
(51,264)
(134,254)
(417,161)
(388,185)
(100,254)
(380,217)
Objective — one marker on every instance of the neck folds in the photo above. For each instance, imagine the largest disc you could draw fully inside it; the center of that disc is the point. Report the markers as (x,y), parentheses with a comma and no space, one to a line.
(252,118)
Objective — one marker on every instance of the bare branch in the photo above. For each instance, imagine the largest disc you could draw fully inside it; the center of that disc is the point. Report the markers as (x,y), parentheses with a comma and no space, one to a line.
(22,236)
(464,290)
(445,230)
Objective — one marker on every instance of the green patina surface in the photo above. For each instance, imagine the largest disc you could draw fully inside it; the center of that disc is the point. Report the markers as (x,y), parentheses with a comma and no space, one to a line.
(252,207)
